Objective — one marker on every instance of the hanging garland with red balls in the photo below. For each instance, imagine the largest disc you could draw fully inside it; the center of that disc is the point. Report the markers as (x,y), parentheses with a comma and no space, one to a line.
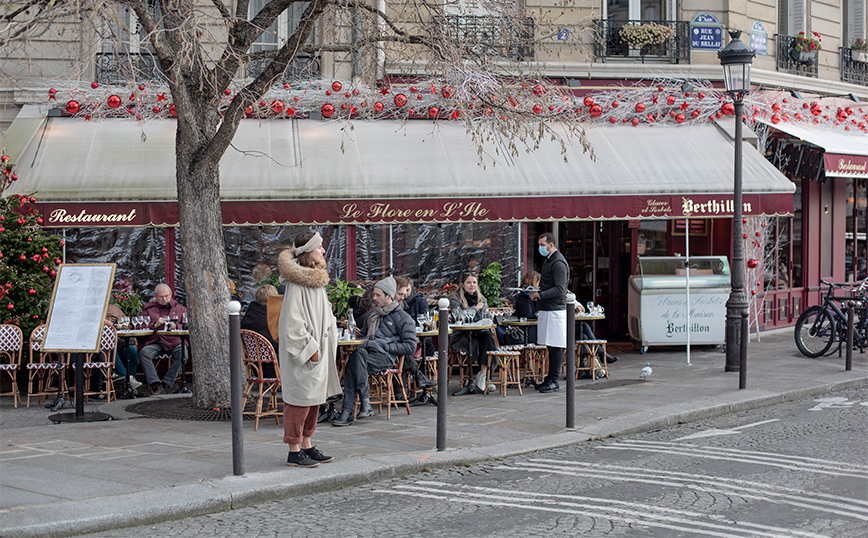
(658,102)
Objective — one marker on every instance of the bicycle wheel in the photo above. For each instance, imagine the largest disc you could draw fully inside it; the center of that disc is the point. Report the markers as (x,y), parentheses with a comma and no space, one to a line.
(815,332)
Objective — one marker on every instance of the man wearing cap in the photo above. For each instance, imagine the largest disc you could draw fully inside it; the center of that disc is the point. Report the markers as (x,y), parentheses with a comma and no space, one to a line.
(388,332)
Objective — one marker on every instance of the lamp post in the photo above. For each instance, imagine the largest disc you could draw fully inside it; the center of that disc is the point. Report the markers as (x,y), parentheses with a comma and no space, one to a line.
(736,59)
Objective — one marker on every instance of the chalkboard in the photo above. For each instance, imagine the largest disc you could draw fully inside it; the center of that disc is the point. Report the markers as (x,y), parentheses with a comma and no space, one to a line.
(78,304)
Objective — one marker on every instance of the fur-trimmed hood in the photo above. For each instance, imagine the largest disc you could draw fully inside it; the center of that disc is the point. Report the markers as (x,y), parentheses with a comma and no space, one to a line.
(291,271)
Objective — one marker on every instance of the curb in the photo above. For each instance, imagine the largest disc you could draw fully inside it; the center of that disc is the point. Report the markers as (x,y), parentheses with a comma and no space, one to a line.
(211,496)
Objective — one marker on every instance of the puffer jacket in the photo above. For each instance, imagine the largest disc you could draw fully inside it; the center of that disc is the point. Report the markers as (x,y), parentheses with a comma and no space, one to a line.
(395,336)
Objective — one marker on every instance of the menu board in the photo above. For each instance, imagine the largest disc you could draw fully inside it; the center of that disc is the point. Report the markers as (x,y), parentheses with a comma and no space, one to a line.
(78,304)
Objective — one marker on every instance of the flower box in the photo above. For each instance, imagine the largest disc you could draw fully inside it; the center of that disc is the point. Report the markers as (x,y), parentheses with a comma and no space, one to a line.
(859,55)
(804,56)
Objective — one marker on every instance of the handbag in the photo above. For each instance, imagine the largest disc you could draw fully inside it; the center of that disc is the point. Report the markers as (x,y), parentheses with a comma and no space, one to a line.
(513,336)
(275,303)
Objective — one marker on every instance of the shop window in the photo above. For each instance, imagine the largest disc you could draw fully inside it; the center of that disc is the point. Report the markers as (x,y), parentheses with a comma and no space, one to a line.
(856,253)
(652,238)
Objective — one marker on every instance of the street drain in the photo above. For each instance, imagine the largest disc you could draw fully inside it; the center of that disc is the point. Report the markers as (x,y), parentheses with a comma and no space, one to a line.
(610,384)
(182,409)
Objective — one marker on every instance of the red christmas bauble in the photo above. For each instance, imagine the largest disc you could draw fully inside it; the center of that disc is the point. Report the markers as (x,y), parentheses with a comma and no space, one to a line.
(634,121)
(156,110)
(752,263)
(378,106)
(356,93)
(538,90)
(286,86)
(640,107)
(400,100)
(52,273)
(670,100)
(11,306)
(277,106)
(776,118)
(776,107)
(596,111)
(336,86)
(73,107)
(613,120)
(700,95)
(413,89)
(347,95)
(679,118)
(537,109)
(589,101)
(433,111)
(327,109)
(615,104)
(22,258)
(446,92)
(94,85)
(31,291)
(113,101)
(45,269)
(172,110)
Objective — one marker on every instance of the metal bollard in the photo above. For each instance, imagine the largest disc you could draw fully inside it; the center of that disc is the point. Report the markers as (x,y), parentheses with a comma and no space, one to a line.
(848,361)
(442,371)
(236,381)
(571,360)
(742,352)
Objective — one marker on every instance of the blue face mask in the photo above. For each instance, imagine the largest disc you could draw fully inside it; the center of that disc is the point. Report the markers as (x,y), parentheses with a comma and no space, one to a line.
(544,252)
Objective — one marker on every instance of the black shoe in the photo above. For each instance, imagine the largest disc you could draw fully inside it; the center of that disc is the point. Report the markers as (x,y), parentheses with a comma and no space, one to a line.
(424,398)
(583,375)
(610,359)
(300,459)
(469,388)
(365,410)
(423,382)
(317,456)
(345,419)
(549,386)
(157,388)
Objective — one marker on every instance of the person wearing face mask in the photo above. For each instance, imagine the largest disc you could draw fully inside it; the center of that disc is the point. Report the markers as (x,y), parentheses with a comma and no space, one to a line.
(552,304)
(477,344)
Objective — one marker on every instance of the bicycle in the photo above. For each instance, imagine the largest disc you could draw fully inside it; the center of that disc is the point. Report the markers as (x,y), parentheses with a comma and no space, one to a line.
(820,327)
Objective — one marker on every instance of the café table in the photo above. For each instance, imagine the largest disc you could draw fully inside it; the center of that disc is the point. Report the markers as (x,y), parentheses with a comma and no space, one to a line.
(184,335)
(126,335)
(345,349)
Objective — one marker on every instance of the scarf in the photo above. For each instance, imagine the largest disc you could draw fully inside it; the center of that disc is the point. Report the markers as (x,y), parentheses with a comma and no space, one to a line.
(376,314)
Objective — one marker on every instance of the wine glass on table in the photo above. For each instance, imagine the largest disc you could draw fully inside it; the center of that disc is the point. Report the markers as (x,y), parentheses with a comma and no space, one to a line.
(183,321)
(146,321)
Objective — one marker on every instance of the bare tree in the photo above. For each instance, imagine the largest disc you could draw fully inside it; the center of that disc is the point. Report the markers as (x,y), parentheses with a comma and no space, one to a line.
(201,46)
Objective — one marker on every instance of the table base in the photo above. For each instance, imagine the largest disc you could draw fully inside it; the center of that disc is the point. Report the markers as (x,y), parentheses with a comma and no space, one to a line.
(90,416)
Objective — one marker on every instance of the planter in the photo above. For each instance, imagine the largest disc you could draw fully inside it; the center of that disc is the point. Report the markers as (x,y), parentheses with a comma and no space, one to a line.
(657,49)
(805,56)
(859,56)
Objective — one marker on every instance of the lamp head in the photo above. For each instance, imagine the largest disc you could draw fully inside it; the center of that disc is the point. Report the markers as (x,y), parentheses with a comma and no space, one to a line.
(736,59)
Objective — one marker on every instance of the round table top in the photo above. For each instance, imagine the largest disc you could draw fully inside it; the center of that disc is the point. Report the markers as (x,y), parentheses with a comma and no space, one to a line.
(431,333)
(471,327)
(590,317)
(518,322)
(135,332)
(349,342)
(174,333)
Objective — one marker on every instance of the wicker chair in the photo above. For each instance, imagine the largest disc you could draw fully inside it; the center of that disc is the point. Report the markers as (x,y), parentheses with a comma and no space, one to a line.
(258,352)
(11,346)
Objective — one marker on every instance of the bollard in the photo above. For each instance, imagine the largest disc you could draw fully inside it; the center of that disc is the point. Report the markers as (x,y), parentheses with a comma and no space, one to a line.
(571,360)
(742,352)
(236,381)
(442,371)
(848,361)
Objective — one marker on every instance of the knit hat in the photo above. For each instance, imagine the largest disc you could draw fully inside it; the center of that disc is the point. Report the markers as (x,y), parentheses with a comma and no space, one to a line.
(388,286)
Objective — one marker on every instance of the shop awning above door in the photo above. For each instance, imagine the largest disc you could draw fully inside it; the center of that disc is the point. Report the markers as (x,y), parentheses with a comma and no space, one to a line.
(114,173)
(846,155)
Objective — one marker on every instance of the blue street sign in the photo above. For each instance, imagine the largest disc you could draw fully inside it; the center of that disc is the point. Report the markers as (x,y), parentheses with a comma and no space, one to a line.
(759,38)
(706,32)
(563,34)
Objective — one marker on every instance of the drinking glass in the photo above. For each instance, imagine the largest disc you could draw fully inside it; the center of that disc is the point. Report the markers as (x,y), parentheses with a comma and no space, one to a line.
(137,322)
(183,320)
(125,323)
(147,321)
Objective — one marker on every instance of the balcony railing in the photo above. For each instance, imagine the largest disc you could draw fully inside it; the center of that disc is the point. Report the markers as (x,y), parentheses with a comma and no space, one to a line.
(790,61)
(609,45)
(122,67)
(488,35)
(852,70)
(303,67)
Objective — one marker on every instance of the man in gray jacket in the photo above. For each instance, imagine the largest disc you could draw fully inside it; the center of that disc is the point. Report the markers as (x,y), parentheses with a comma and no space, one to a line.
(388,332)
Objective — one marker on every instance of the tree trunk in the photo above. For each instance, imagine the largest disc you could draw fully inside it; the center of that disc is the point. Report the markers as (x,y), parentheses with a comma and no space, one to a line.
(205,271)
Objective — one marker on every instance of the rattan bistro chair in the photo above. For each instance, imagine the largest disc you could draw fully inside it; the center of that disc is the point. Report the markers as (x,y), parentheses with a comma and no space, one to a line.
(42,367)
(382,388)
(11,346)
(258,352)
(103,361)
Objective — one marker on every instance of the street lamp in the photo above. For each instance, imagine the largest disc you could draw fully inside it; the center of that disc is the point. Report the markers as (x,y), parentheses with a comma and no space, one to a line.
(736,58)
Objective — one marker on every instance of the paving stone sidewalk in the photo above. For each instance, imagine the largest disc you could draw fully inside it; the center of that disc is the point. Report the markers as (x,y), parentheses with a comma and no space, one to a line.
(70,478)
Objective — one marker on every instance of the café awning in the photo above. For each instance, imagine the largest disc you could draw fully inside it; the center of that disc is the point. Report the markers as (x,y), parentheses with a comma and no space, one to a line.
(114,173)
(845,155)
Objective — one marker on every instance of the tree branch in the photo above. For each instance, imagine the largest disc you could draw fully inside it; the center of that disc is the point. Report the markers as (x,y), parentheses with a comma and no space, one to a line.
(222,9)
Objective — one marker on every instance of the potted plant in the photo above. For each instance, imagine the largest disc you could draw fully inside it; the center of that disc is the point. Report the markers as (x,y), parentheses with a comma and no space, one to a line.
(859,50)
(644,37)
(804,49)
(490,285)
(339,295)
(128,301)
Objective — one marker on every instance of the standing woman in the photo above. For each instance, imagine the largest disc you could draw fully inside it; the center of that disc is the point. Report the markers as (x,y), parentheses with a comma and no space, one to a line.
(308,343)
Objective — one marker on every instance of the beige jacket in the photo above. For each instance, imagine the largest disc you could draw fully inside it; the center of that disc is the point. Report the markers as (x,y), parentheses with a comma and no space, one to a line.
(307,326)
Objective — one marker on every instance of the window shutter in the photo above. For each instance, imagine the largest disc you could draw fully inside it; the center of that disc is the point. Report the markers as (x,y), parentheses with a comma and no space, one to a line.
(798,11)
(855,20)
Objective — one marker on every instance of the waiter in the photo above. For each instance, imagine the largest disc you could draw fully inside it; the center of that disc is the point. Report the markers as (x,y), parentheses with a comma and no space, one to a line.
(552,303)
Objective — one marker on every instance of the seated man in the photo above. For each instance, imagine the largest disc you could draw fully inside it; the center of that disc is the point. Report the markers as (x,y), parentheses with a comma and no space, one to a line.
(388,332)
(161,309)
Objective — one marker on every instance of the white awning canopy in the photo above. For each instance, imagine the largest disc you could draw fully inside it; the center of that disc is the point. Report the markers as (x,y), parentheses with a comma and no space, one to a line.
(846,155)
(306,171)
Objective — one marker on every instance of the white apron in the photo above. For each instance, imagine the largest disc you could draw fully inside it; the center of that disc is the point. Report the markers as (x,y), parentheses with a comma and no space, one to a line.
(552,328)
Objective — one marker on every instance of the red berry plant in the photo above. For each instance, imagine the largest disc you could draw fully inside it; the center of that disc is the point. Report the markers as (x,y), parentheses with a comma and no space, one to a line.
(28,257)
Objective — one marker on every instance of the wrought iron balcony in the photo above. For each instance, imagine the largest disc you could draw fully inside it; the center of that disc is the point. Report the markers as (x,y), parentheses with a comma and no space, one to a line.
(791,61)
(488,35)
(608,43)
(303,67)
(122,67)
(852,70)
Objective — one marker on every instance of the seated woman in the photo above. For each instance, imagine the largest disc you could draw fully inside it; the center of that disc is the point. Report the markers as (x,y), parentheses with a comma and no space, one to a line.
(112,315)
(464,301)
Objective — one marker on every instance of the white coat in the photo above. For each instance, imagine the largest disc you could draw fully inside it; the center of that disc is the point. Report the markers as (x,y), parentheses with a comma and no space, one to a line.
(307,326)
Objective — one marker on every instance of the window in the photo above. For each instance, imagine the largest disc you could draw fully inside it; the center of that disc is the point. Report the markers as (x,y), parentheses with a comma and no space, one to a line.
(305,65)
(853,21)
(645,10)
(791,17)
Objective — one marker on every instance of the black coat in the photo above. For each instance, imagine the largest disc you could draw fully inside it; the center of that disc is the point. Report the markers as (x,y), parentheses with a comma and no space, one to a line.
(416,305)
(525,308)
(256,319)
(395,336)
(554,279)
